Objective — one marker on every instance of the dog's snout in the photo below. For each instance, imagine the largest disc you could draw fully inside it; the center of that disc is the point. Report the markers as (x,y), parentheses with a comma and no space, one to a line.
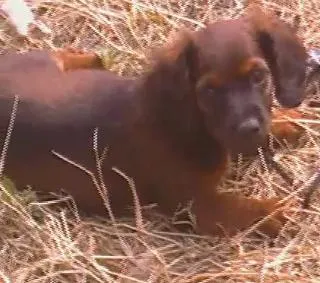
(250,126)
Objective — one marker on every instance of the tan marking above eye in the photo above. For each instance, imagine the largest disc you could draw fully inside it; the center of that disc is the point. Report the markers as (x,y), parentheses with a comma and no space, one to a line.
(246,69)
(250,64)
(211,79)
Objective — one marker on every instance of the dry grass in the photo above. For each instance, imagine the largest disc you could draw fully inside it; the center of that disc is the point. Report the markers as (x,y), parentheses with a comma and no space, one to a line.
(38,244)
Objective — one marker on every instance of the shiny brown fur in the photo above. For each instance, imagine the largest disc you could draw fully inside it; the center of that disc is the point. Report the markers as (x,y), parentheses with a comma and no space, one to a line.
(165,129)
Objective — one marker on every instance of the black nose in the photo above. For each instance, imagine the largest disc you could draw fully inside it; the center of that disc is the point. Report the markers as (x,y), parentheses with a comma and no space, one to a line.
(250,126)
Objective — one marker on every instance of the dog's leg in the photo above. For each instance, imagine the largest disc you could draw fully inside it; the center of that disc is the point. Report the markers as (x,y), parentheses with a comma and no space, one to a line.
(224,213)
(283,125)
(71,59)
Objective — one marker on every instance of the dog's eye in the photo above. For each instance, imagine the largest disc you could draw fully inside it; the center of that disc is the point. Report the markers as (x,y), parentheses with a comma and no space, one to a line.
(210,91)
(258,76)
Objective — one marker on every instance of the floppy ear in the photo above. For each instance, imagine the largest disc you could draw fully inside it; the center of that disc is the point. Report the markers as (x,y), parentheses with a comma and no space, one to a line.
(175,69)
(168,89)
(284,53)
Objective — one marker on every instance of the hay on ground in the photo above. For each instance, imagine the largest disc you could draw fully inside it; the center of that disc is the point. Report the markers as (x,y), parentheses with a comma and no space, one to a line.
(40,244)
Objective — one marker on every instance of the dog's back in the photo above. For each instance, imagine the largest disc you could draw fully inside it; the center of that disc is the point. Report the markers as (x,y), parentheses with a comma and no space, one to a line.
(59,111)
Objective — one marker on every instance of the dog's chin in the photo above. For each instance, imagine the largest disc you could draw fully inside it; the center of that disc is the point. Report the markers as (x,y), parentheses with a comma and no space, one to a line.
(234,144)
(244,149)
(245,146)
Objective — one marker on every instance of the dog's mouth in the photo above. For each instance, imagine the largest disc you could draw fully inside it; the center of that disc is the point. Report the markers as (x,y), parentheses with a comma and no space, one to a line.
(245,144)
(244,137)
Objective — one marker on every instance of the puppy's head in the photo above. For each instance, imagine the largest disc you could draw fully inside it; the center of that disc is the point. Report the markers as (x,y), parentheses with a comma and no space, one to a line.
(221,77)
(233,86)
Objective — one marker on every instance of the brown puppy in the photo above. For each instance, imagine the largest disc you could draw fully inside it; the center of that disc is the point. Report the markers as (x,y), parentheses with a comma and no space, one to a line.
(171,130)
